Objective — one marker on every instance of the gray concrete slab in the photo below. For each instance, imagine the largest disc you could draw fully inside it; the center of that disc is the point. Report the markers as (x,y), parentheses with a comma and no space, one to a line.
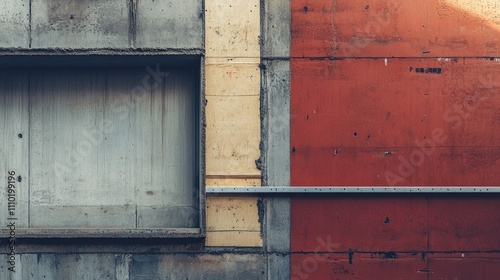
(80,24)
(66,266)
(276,28)
(277,162)
(278,225)
(203,266)
(278,122)
(169,24)
(278,266)
(14,23)
(275,16)
(137,266)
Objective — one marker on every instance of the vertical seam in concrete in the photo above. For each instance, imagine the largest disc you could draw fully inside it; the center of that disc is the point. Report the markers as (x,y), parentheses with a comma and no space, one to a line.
(428,236)
(275,142)
(263,96)
(263,127)
(203,24)
(29,146)
(201,118)
(202,146)
(132,25)
(29,27)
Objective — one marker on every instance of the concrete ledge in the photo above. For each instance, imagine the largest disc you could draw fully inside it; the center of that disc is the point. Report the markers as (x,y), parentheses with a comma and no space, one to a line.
(99,57)
(105,233)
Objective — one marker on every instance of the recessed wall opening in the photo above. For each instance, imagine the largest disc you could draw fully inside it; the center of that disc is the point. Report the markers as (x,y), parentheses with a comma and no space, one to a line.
(103,147)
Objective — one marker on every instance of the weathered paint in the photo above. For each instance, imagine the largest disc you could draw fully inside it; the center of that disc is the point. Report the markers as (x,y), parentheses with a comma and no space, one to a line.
(395,120)
(342,224)
(463,266)
(361,107)
(447,166)
(358,103)
(394,29)
(464,224)
(359,266)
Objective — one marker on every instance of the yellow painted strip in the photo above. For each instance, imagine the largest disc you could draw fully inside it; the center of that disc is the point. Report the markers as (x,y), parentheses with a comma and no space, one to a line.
(232,28)
(234,239)
(233,119)
(233,135)
(233,80)
(232,213)
(237,181)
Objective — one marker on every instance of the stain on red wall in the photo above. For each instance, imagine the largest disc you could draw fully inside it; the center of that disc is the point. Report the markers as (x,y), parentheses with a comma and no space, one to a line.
(403,93)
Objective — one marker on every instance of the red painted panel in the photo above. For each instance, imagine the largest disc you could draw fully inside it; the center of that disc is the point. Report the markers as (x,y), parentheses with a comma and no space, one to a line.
(450,166)
(465,268)
(336,224)
(403,126)
(356,121)
(390,103)
(382,28)
(469,223)
(361,266)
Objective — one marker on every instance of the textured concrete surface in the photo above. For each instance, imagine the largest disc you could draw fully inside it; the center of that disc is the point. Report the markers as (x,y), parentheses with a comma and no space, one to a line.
(57,26)
(277,90)
(101,24)
(80,24)
(136,266)
(275,16)
(14,22)
(159,24)
(275,100)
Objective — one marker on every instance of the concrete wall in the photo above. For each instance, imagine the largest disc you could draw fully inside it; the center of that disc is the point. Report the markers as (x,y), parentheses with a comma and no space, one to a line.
(347,78)
(120,24)
(237,244)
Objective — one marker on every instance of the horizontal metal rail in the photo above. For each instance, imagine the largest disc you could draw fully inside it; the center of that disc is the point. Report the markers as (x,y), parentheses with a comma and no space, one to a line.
(348,189)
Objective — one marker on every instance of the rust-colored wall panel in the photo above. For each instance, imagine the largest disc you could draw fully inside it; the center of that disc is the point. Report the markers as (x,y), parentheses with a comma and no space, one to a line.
(390,103)
(386,166)
(420,122)
(447,268)
(336,224)
(393,28)
(395,93)
(468,224)
(361,266)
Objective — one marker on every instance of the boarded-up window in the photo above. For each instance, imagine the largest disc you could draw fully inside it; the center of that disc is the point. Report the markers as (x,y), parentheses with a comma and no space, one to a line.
(109,148)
